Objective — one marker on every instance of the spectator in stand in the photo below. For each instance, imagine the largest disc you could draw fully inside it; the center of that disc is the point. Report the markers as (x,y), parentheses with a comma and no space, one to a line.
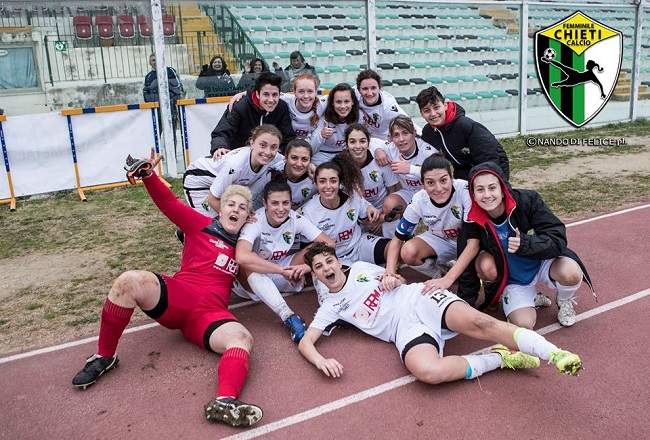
(215,79)
(150,90)
(462,140)
(297,66)
(263,106)
(247,80)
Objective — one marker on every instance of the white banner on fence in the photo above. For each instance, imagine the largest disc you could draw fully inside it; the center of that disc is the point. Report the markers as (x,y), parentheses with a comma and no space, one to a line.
(38,147)
(201,120)
(103,140)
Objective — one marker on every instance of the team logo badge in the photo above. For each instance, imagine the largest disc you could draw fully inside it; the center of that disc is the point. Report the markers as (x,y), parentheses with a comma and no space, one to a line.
(305,192)
(373,175)
(578,63)
(350,214)
(455,210)
(362,279)
(287,237)
(376,117)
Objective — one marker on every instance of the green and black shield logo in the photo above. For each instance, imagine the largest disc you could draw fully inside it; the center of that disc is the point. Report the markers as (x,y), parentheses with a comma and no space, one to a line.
(578,63)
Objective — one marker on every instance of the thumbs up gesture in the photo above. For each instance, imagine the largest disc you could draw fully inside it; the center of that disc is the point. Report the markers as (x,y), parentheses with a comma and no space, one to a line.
(514,242)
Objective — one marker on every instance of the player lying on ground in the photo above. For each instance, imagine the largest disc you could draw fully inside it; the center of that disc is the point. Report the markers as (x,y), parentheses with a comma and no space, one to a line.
(383,306)
(194,300)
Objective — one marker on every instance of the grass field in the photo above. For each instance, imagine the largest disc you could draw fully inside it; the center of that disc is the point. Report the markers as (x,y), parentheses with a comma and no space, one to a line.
(58,255)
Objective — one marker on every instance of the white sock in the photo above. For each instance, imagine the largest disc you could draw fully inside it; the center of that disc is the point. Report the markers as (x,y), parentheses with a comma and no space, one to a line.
(533,343)
(267,291)
(388,229)
(565,293)
(481,363)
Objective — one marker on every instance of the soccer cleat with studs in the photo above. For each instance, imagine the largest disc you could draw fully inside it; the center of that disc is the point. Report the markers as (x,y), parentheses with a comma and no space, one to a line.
(542,300)
(566,362)
(96,365)
(514,359)
(296,327)
(230,411)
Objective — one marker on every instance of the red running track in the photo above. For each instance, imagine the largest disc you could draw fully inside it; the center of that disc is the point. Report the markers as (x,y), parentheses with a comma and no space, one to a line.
(163,381)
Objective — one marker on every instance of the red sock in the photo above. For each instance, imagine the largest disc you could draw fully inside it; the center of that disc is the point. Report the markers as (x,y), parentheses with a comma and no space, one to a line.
(114,320)
(232,372)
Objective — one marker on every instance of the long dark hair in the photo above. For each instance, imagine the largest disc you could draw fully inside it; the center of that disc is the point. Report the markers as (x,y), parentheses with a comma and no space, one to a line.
(330,113)
(350,176)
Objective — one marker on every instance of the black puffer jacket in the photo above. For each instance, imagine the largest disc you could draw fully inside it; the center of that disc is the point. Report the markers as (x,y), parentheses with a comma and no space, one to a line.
(543,235)
(465,142)
(234,127)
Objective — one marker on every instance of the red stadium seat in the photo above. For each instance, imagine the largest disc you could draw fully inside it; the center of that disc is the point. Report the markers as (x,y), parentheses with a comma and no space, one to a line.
(169,27)
(144,26)
(104,25)
(82,27)
(126,26)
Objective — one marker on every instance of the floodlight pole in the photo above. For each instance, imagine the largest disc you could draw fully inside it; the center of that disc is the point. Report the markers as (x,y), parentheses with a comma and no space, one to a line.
(168,150)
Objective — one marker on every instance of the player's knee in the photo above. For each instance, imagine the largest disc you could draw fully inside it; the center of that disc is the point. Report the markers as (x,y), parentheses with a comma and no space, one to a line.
(126,284)
(571,277)
(241,338)
(527,322)
(431,374)
(486,268)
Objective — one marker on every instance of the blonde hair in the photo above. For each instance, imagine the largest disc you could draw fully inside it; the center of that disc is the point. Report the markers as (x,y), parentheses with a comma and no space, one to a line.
(238,190)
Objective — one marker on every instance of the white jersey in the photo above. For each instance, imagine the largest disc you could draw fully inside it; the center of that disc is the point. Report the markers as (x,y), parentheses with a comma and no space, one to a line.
(301,191)
(301,121)
(364,304)
(271,243)
(442,221)
(340,224)
(375,181)
(411,181)
(235,168)
(335,144)
(377,117)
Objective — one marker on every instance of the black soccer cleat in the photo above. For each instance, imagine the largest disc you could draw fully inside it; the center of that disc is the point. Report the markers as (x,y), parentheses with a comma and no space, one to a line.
(96,365)
(393,213)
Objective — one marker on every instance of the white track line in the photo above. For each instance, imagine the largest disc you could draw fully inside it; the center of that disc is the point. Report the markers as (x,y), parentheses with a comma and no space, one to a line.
(388,386)
(27,354)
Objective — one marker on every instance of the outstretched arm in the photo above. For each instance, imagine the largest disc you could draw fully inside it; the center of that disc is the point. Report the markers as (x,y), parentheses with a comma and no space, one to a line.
(330,367)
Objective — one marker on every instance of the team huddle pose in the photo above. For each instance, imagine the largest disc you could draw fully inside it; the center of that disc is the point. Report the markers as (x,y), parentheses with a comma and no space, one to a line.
(345,190)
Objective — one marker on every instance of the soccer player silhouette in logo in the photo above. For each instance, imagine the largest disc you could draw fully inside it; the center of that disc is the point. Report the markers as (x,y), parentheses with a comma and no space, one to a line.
(574,77)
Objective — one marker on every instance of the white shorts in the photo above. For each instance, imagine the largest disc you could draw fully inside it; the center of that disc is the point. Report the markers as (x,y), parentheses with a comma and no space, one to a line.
(363,251)
(426,317)
(445,250)
(280,282)
(519,296)
(406,195)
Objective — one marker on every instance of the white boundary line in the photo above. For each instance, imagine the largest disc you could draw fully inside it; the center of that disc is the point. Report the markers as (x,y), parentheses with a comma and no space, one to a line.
(405,380)
(53,348)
